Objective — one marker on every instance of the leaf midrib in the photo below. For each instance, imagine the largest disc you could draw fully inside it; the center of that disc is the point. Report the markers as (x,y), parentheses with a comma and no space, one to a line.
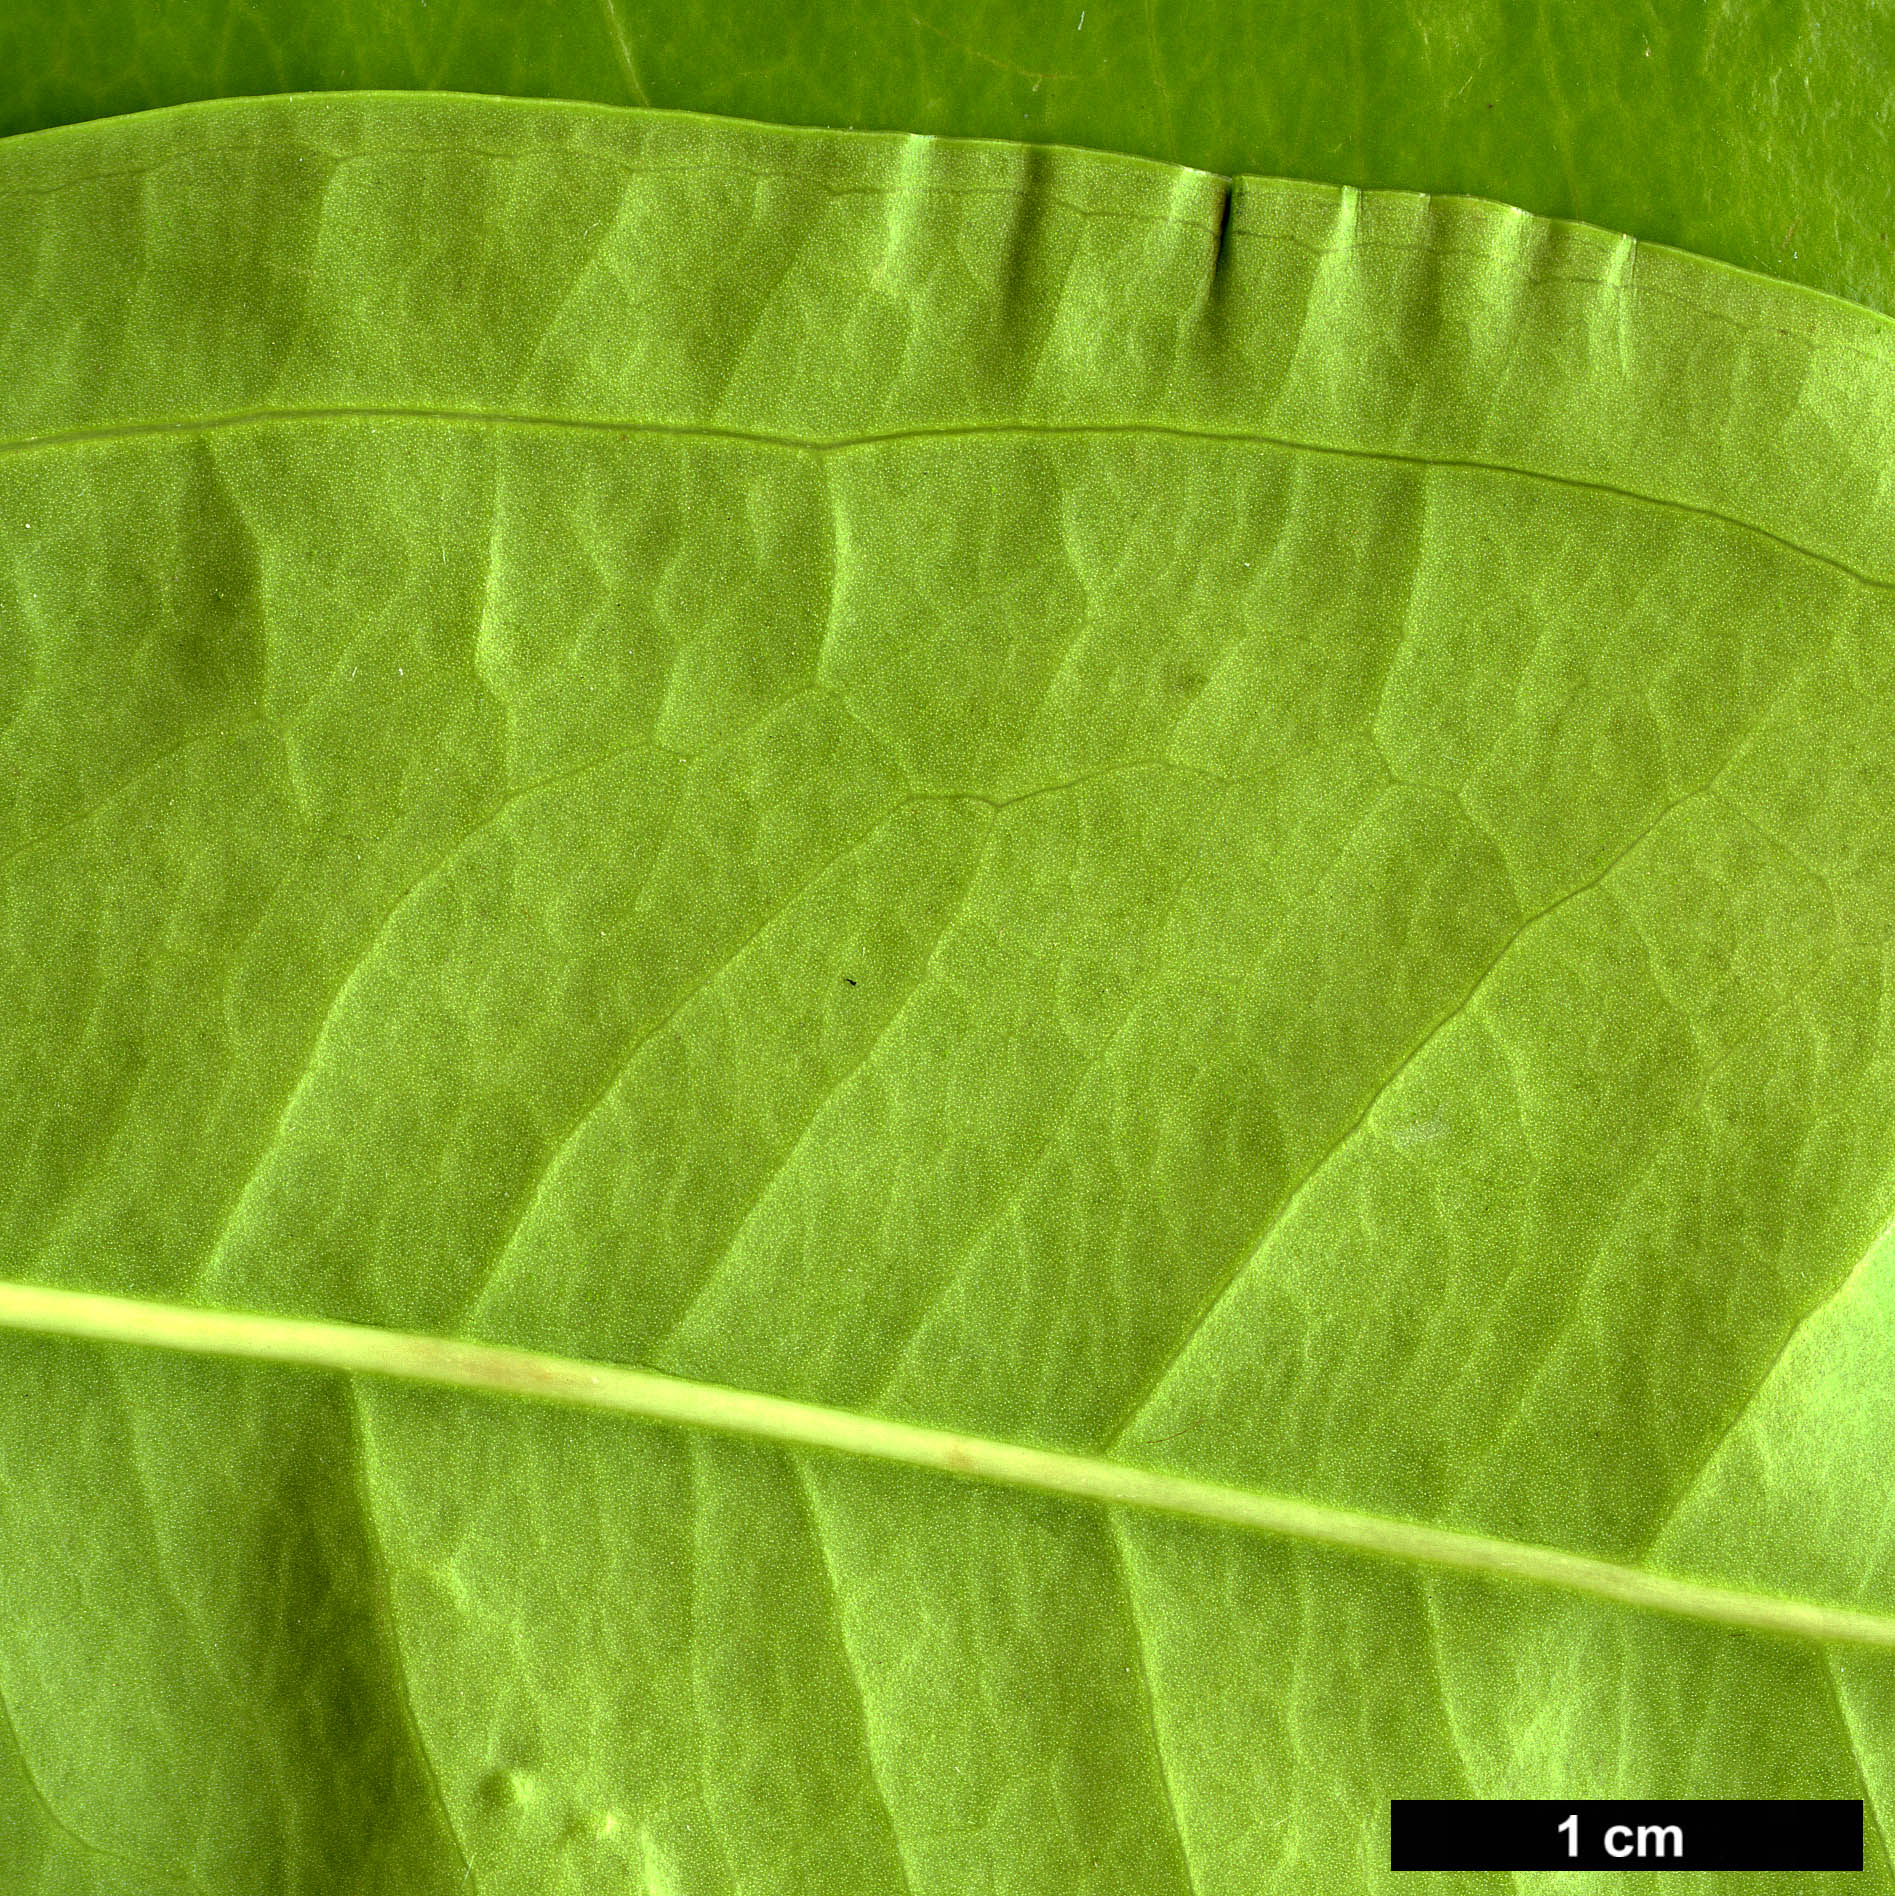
(106,433)
(491,1369)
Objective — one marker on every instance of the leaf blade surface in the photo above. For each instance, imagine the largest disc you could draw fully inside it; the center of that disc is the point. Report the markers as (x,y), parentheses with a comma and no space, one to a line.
(1753,135)
(1231,823)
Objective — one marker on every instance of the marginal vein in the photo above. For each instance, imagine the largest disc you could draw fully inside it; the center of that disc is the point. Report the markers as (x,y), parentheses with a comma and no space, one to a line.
(960,431)
(491,1369)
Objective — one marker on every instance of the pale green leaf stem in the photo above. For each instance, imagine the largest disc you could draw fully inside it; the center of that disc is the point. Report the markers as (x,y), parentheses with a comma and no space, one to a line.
(452,1364)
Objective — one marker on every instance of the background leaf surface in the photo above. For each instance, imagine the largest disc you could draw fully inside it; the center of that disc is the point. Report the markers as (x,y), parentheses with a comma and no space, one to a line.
(1237,825)
(1754,133)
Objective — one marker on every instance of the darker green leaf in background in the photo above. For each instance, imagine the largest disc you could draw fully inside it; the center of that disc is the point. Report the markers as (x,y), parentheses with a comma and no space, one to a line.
(1755,134)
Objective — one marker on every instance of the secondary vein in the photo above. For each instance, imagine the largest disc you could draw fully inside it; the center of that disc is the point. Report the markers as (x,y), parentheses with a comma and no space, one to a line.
(447,1362)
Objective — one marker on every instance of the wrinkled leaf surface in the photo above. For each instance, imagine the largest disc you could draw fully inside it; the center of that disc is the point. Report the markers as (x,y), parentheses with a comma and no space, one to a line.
(1244,827)
(1754,133)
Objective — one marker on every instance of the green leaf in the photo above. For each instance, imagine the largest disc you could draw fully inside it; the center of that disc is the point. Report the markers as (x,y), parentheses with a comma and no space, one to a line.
(1234,832)
(1754,134)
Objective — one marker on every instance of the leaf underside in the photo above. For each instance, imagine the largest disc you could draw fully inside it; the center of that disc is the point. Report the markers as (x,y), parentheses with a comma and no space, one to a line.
(1235,826)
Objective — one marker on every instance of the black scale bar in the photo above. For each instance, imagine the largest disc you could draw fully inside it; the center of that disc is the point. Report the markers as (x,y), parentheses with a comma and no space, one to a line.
(1653,1834)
